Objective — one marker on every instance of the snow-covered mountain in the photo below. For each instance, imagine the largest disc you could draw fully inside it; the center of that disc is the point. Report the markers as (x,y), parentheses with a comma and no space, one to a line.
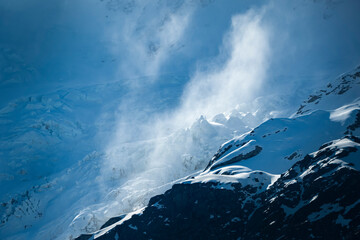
(316,198)
(44,134)
(101,101)
(96,188)
(317,192)
(287,178)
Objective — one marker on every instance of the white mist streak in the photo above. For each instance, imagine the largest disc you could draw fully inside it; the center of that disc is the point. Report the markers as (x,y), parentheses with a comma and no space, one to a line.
(133,172)
(237,80)
(219,90)
(141,166)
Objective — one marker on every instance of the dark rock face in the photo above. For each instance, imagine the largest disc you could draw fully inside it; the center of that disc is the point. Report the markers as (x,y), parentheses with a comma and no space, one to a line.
(339,87)
(112,221)
(355,125)
(238,158)
(318,197)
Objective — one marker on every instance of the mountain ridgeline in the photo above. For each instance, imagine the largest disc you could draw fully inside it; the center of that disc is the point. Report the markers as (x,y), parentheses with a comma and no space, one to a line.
(288,178)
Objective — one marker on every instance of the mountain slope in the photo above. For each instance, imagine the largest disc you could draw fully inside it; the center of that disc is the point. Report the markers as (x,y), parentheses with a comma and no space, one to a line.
(121,179)
(292,178)
(337,93)
(53,158)
(276,144)
(315,198)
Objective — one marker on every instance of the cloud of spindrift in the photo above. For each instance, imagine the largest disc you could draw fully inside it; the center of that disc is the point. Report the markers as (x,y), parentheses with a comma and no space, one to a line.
(173,143)
(87,41)
(237,80)
(177,146)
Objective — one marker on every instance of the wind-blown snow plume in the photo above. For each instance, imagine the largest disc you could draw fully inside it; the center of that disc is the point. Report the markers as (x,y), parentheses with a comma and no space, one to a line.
(142,54)
(178,148)
(235,81)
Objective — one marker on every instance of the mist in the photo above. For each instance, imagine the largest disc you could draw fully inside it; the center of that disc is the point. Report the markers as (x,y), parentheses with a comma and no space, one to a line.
(260,47)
